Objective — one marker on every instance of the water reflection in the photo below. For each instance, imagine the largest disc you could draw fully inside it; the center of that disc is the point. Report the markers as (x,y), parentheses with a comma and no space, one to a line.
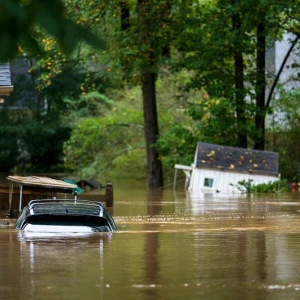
(206,202)
(38,236)
(154,198)
(33,265)
(261,257)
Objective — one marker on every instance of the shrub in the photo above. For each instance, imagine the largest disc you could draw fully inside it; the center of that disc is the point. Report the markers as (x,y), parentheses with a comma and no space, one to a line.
(277,186)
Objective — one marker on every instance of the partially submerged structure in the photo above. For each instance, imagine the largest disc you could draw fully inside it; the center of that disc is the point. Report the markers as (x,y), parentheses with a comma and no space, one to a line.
(219,168)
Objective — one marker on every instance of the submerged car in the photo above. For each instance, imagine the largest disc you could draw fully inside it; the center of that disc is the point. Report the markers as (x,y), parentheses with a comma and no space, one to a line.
(65,215)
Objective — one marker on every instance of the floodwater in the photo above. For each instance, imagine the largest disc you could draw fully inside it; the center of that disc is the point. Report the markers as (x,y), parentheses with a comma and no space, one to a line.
(169,245)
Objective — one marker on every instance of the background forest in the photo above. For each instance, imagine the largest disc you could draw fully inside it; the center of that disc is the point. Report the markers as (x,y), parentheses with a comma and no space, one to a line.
(127,88)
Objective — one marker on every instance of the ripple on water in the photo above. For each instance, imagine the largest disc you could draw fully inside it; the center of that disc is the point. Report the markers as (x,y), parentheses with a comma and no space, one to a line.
(271,222)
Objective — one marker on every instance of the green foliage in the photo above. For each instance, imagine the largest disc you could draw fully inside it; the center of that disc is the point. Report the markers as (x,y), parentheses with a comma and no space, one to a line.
(87,105)
(96,143)
(42,140)
(9,151)
(20,19)
(272,187)
(191,46)
(129,165)
(177,146)
(61,88)
(31,144)
(114,144)
(222,52)
(216,121)
(286,132)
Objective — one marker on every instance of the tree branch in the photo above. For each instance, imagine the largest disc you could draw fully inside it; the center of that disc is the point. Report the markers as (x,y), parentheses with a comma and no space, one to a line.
(280,71)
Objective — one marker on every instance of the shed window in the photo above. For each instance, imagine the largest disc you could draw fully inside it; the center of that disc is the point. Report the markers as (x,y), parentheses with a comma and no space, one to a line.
(208,182)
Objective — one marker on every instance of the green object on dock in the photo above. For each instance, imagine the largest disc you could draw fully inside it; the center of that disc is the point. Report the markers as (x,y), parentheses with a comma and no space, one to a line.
(4,224)
(78,189)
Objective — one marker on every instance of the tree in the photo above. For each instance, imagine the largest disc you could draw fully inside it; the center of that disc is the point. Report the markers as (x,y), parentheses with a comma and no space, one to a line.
(238,56)
(137,39)
(20,17)
(260,86)
(138,47)
(45,34)
(229,56)
(220,59)
(285,133)
(148,79)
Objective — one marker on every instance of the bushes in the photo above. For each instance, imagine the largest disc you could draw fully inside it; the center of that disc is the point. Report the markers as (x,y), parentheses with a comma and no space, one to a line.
(277,186)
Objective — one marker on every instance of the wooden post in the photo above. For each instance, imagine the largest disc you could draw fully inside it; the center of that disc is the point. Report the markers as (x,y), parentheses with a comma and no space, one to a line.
(10,197)
(109,196)
(21,197)
(175,179)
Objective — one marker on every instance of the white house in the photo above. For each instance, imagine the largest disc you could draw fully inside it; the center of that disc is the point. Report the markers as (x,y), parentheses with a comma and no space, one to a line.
(219,168)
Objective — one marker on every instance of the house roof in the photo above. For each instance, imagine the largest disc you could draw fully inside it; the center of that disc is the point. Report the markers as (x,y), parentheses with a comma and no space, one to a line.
(5,80)
(211,156)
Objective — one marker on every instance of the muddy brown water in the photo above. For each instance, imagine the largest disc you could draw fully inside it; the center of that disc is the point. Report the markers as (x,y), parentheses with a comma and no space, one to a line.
(169,245)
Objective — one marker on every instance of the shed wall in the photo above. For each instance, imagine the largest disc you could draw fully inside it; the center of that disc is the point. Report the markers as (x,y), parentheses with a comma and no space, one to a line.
(223,179)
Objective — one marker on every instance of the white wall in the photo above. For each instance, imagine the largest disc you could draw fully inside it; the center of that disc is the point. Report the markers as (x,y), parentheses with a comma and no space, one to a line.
(223,179)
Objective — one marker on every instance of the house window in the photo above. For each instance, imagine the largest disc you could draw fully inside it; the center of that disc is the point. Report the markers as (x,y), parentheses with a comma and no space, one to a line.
(208,182)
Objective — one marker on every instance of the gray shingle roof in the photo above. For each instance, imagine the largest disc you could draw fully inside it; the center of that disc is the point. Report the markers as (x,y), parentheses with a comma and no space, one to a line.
(236,159)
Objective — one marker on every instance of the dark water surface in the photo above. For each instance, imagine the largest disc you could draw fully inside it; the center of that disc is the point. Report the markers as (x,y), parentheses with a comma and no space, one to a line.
(168,246)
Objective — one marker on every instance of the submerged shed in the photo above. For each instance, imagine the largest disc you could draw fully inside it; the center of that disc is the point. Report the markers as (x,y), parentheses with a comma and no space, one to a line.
(210,156)
(220,168)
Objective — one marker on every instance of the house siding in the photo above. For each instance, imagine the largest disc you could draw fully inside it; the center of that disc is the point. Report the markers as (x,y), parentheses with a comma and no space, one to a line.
(223,180)
(218,168)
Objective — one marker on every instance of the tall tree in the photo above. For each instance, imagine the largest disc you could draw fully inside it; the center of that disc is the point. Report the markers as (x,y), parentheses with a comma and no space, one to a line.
(260,80)
(239,77)
(217,58)
(136,33)
(227,54)
(148,79)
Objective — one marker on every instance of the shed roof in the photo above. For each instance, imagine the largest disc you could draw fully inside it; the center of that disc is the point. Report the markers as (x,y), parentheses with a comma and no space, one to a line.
(236,159)
(41,182)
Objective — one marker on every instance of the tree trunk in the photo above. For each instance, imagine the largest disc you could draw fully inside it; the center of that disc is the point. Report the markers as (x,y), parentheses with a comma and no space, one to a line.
(154,165)
(260,84)
(239,86)
(148,76)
